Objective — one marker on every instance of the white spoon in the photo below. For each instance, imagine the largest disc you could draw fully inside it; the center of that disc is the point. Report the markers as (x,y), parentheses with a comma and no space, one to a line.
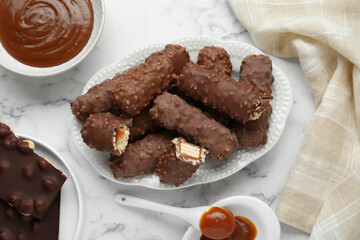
(265,220)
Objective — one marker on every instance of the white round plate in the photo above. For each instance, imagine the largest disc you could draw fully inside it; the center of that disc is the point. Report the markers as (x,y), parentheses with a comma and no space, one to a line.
(7,61)
(212,170)
(263,217)
(71,209)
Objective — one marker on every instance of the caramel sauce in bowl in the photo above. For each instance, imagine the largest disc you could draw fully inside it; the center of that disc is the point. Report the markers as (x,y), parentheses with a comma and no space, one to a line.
(47,37)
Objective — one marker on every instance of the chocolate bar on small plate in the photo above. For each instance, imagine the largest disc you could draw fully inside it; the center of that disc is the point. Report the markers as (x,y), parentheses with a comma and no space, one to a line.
(28,182)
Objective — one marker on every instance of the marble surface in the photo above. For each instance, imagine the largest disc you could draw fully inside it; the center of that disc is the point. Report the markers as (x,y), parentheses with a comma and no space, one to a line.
(39,107)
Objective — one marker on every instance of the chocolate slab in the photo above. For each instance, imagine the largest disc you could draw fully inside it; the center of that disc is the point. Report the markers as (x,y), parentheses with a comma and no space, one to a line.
(216,59)
(257,70)
(140,157)
(220,92)
(171,169)
(173,113)
(14,226)
(27,181)
(151,79)
(99,131)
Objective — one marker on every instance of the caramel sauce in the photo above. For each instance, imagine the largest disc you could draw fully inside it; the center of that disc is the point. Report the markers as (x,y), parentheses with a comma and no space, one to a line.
(217,223)
(245,229)
(45,33)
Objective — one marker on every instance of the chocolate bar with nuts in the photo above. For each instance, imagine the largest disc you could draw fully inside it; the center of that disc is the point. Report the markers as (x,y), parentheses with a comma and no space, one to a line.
(96,99)
(216,59)
(15,226)
(152,78)
(140,157)
(253,133)
(106,132)
(179,161)
(173,113)
(28,182)
(142,124)
(257,70)
(175,53)
(220,92)
(221,118)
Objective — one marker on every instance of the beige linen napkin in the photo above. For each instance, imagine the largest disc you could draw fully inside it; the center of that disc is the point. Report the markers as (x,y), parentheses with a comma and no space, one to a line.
(323,188)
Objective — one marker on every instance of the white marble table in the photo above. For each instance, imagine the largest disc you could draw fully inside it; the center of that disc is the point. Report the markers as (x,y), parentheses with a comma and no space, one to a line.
(39,107)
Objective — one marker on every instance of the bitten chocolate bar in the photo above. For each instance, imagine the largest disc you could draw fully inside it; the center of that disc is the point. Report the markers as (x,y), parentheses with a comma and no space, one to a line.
(151,79)
(96,100)
(142,124)
(179,161)
(14,226)
(173,113)
(216,59)
(28,182)
(106,132)
(257,70)
(141,157)
(220,92)
(253,133)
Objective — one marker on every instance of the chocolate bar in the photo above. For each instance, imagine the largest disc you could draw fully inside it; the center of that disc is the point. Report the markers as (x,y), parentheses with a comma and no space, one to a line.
(208,111)
(175,53)
(216,59)
(28,182)
(14,226)
(173,113)
(96,99)
(142,124)
(257,70)
(179,161)
(140,157)
(151,79)
(253,133)
(106,132)
(220,92)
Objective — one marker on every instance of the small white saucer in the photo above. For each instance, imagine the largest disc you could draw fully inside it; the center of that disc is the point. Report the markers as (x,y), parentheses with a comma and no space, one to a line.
(263,217)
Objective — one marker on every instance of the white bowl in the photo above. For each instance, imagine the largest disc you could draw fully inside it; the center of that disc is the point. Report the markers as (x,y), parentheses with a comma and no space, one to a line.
(212,170)
(263,217)
(7,61)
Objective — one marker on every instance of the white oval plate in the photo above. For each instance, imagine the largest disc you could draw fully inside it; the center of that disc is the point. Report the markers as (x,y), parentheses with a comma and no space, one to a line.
(263,217)
(212,170)
(7,61)
(71,209)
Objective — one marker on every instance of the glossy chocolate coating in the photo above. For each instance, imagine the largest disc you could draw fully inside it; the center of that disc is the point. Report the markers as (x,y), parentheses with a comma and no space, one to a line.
(173,113)
(216,59)
(219,91)
(140,157)
(96,99)
(45,33)
(26,179)
(151,79)
(142,125)
(172,170)
(99,130)
(257,70)
(16,226)
(208,111)
(253,133)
